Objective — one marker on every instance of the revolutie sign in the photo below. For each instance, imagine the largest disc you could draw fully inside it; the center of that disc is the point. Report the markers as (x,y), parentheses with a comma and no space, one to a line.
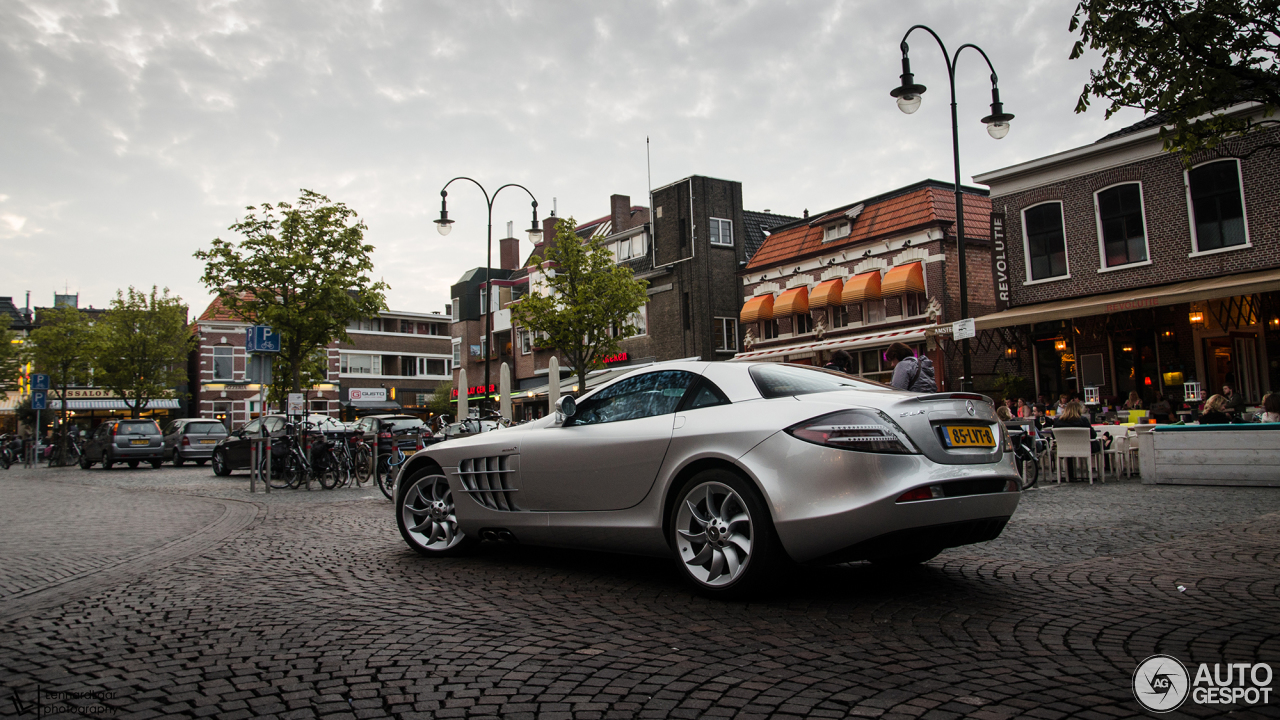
(999,261)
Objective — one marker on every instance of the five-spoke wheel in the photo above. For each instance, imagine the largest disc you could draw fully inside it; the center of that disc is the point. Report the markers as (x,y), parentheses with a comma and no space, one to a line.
(426,515)
(722,534)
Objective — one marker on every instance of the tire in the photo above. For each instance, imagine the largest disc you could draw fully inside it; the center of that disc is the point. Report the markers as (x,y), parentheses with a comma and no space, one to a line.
(723,536)
(156,464)
(361,462)
(277,480)
(328,477)
(177,459)
(85,464)
(106,463)
(220,466)
(387,481)
(133,464)
(426,516)
(906,559)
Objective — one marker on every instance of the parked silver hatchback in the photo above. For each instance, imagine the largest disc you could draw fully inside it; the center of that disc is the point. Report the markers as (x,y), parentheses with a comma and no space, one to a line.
(124,441)
(192,439)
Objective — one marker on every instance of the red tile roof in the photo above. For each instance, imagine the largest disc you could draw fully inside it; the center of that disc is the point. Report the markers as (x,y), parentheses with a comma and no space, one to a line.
(930,205)
(219,311)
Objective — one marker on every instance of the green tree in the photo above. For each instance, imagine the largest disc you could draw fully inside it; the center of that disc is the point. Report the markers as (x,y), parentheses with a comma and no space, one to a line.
(12,356)
(589,303)
(1186,61)
(315,370)
(62,349)
(303,269)
(442,402)
(141,347)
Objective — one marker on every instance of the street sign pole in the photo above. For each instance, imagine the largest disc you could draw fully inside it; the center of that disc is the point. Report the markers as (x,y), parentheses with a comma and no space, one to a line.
(39,401)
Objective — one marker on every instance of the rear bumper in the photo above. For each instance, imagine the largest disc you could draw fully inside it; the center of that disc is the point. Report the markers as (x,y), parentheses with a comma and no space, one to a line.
(139,453)
(193,452)
(911,540)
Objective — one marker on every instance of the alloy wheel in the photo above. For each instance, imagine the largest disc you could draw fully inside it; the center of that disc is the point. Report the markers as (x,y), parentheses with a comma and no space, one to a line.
(427,512)
(714,534)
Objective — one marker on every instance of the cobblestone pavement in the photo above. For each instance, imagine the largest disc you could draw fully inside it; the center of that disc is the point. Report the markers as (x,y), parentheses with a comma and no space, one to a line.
(314,607)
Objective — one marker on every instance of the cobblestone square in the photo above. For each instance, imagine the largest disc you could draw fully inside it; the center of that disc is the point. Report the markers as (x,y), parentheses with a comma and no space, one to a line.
(174,593)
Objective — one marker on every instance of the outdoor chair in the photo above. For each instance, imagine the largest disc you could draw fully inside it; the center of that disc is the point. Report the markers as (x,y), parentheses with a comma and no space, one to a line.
(1073,443)
(1118,453)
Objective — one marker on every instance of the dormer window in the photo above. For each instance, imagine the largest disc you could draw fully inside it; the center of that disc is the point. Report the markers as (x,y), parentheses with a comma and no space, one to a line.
(835,232)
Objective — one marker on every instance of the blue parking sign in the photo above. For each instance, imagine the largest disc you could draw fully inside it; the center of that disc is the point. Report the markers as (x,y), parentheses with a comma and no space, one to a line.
(262,339)
(40,399)
(40,382)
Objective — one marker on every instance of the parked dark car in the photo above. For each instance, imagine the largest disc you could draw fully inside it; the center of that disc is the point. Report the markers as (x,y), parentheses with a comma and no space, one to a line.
(233,451)
(408,432)
(127,441)
(192,439)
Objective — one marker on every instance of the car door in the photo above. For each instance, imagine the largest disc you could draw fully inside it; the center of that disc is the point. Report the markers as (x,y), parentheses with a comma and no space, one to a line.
(607,455)
(99,443)
(237,447)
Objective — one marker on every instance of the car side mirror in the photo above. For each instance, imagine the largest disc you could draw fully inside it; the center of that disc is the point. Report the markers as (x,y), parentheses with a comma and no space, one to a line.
(566,406)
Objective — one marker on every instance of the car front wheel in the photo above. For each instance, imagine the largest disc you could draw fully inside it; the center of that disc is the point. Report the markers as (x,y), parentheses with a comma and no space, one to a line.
(220,466)
(723,536)
(426,515)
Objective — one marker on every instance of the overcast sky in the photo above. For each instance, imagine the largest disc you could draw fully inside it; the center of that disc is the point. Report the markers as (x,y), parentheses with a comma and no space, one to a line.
(132,133)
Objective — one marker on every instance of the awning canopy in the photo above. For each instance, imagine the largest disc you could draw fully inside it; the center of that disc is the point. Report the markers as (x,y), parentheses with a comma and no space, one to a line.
(903,279)
(792,302)
(861,288)
(161,404)
(851,342)
(1184,292)
(827,293)
(757,308)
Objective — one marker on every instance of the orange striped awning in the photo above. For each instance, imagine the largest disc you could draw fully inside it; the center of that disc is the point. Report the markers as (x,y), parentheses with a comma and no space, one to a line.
(903,279)
(792,302)
(861,287)
(827,293)
(757,308)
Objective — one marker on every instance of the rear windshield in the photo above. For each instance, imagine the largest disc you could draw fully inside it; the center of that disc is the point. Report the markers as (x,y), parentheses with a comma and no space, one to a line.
(205,428)
(138,427)
(399,425)
(786,380)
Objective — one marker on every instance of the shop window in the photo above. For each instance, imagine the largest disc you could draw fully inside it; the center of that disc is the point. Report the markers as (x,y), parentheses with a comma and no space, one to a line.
(223,363)
(1121,226)
(725,331)
(1217,204)
(1045,241)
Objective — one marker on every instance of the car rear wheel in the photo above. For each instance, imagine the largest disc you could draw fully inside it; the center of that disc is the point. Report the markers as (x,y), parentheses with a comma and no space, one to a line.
(723,536)
(220,466)
(85,464)
(427,518)
(177,459)
(106,462)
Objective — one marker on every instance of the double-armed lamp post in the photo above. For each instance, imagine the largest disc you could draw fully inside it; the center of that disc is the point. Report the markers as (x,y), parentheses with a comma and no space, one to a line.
(908,95)
(444,225)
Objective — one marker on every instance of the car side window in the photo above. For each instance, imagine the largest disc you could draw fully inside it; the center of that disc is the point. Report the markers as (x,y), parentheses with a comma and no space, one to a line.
(252,428)
(648,395)
(704,394)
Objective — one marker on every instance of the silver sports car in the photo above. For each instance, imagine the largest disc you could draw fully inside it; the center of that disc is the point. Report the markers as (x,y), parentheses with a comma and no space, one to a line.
(732,468)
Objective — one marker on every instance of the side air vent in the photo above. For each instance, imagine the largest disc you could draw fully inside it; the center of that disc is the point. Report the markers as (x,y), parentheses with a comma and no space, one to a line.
(488,481)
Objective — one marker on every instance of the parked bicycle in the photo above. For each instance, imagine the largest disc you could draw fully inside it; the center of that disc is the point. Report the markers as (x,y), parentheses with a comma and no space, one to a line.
(1025,457)
(10,450)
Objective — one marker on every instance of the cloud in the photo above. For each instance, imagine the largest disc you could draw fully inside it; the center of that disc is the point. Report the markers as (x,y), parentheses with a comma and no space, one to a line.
(135,134)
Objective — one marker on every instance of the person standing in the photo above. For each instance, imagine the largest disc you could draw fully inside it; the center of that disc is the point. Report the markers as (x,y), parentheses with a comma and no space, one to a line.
(911,373)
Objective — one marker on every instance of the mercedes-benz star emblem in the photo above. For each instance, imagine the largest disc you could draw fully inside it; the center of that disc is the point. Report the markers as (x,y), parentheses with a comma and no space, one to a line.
(969,408)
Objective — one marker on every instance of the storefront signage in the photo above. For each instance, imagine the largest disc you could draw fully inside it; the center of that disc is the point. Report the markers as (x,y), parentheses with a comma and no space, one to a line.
(89,393)
(367,394)
(1133,304)
(474,391)
(616,358)
(999,261)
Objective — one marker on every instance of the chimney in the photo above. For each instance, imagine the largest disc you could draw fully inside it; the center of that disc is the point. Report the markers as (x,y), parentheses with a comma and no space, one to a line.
(508,251)
(620,212)
(548,230)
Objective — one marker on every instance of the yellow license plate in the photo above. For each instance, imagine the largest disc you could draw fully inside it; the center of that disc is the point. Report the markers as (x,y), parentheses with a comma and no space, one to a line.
(140,442)
(208,442)
(969,436)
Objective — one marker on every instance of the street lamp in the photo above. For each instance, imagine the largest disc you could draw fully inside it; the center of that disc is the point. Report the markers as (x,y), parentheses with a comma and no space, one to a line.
(444,224)
(908,95)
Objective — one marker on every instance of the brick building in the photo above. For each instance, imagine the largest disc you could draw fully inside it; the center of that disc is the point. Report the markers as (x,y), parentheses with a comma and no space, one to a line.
(1129,272)
(406,353)
(865,275)
(689,251)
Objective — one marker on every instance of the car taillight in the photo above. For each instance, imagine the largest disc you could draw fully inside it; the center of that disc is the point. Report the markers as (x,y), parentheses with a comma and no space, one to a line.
(113,430)
(186,440)
(384,436)
(927,492)
(864,430)
(1008,441)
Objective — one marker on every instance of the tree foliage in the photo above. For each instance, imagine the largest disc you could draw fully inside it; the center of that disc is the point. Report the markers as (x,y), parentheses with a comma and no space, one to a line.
(62,348)
(302,268)
(12,355)
(1185,60)
(442,402)
(141,347)
(588,302)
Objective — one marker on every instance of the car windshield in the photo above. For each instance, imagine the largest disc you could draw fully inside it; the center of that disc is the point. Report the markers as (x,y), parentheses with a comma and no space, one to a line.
(778,380)
(138,427)
(205,428)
